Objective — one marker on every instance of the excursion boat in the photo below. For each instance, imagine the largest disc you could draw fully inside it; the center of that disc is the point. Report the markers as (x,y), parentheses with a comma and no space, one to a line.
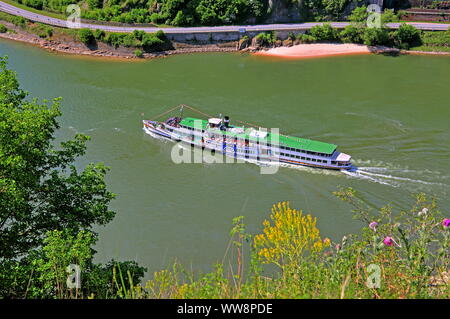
(249,143)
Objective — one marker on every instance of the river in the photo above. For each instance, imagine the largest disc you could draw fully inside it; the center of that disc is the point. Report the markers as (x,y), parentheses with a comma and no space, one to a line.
(392,114)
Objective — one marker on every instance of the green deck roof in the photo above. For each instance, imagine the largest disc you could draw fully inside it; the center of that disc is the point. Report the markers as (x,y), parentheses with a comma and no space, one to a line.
(284,140)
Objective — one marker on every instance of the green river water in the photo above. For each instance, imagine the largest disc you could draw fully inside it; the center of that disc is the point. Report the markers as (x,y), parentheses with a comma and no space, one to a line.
(392,114)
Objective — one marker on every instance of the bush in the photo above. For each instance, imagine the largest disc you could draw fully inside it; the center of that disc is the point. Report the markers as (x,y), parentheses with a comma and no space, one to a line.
(138,53)
(86,36)
(3,28)
(114,39)
(37,4)
(375,36)
(151,42)
(436,38)
(99,34)
(266,38)
(94,4)
(19,21)
(305,38)
(42,30)
(352,34)
(324,32)
(406,36)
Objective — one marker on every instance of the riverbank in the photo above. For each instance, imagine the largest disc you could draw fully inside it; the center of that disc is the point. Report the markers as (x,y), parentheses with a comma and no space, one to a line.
(66,41)
(67,45)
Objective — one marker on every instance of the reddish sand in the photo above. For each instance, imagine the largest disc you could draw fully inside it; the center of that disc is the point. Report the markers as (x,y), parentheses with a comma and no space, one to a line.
(315,50)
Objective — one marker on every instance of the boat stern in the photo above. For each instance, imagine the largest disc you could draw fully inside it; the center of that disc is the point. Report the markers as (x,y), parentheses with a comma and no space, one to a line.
(344,161)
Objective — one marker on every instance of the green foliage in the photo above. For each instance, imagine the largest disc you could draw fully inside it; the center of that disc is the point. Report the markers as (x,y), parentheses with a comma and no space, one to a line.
(41,188)
(138,53)
(305,38)
(266,38)
(48,207)
(352,34)
(19,21)
(436,38)
(325,10)
(99,34)
(42,30)
(413,265)
(60,249)
(37,4)
(86,36)
(148,41)
(94,4)
(359,15)
(375,36)
(324,32)
(406,36)
(177,12)
(3,28)
(114,39)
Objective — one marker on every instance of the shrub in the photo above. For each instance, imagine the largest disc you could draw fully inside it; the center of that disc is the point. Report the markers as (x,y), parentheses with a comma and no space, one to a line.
(305,38)
(3,28)
(99,34)
(94,4)
(155,18)
(291,36)
(324,32)
(86,36)
(138,53)
(19,21)
(114,39)
(151,42)
(37,4)
(406,36)
(160,35)
(42,30)
(375,36)
(265,38)
(352,34)
(138,34)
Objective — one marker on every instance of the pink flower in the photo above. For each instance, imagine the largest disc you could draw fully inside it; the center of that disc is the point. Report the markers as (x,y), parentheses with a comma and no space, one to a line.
(446,222)
(373,226)
(388,241)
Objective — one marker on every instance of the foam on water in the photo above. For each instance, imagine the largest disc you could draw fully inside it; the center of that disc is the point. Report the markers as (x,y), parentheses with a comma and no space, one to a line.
(373,171)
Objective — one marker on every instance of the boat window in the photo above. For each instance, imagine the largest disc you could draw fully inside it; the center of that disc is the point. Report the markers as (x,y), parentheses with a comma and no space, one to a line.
(302,158)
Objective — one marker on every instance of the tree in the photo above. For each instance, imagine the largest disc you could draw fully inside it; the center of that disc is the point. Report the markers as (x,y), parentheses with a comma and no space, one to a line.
(358,15)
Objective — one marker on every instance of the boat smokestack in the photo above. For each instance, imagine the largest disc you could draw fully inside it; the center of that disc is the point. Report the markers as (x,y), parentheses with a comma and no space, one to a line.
(226,121)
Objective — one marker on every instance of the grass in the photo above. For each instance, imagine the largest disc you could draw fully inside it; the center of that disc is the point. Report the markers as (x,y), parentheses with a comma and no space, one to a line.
(425,48)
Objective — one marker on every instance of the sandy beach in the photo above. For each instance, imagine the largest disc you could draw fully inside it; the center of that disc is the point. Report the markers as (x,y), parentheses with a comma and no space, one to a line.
(316,50)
